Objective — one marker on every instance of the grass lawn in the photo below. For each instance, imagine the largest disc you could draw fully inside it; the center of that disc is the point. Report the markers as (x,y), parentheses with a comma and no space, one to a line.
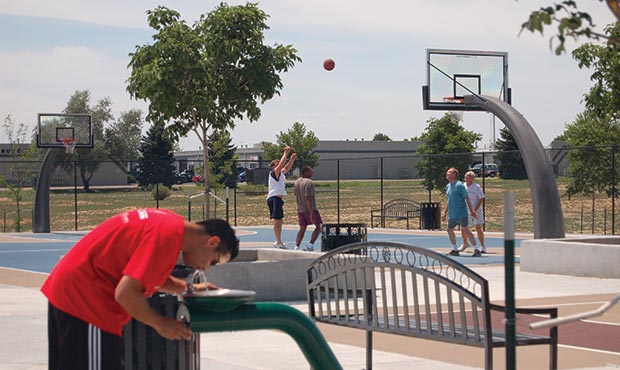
(354,199)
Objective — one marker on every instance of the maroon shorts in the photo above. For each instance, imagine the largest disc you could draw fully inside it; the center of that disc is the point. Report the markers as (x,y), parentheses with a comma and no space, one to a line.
(304,218)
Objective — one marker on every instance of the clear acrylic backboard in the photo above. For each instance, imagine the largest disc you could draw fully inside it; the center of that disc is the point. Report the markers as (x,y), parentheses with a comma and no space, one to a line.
(452,74)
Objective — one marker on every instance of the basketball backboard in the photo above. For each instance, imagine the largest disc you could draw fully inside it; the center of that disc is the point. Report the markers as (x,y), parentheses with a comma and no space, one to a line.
(55,127)
(452,74)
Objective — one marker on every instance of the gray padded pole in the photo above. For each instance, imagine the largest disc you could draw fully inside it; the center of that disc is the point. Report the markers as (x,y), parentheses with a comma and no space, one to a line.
(41,217)
(548,217)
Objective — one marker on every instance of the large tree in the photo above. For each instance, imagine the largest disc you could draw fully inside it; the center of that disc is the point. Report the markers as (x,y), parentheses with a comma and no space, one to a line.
(510,158)
(88,160)
(603,99)
(122,138)
(570,22)
(590,159)
(445,144)
(301,142)
(205,76)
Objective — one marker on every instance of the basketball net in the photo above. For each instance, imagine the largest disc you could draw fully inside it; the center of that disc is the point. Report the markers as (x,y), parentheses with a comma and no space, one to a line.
(69,144)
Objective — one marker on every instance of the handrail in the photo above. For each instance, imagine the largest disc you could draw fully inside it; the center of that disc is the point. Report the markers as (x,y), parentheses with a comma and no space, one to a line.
(258,316)
(576,317)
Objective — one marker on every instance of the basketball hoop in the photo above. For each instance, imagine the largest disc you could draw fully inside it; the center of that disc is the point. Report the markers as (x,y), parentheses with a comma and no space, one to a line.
(69,144)
(453,100)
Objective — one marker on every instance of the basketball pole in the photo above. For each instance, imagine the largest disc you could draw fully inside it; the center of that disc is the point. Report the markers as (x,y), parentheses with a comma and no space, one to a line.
(509,278)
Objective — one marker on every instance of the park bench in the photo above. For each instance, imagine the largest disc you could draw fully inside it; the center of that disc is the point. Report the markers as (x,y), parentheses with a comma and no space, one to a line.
(397,209)
(412,291)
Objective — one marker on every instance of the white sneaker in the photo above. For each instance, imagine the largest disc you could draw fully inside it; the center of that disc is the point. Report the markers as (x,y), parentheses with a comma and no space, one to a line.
(309,247)
(296,247)
(484,249)
(279,245)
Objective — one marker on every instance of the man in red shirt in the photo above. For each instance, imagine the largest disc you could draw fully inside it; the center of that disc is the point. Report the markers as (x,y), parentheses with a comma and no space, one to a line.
(106,278)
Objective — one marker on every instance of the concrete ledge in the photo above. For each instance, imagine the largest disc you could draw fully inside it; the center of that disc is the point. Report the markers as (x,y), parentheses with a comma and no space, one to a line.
(274,274)
(588,256)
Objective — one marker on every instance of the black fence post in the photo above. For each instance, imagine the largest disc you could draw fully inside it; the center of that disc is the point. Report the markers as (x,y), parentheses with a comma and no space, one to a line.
(613,189)
(429,177)
(75,196)
(381,203)
(338,188)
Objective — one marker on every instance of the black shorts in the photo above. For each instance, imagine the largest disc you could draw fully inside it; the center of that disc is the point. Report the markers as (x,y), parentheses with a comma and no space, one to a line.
(276,208)
(77,345)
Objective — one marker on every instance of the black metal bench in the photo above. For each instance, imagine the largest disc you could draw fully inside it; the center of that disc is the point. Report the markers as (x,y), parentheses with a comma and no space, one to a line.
(407,290)
(397,209)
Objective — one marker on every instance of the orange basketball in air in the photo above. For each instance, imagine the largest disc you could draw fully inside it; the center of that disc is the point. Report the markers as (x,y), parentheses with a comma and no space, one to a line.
(329,64)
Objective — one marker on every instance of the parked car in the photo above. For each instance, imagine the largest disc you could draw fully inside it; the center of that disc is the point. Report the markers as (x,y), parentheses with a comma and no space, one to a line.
(197,178)
(182,177)
(490,169)
(242,177)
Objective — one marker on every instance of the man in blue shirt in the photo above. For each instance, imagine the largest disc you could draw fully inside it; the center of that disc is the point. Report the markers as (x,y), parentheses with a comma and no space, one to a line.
(457,211)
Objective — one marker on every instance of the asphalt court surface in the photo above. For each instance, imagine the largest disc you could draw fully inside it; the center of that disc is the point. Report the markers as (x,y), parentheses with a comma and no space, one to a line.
(593,343)
(40,252)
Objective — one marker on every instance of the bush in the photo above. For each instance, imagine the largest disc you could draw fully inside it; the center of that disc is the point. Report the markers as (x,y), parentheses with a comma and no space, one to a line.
(160,192)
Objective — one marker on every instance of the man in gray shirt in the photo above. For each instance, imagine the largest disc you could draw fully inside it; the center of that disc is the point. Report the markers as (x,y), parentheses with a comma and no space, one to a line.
(307,214)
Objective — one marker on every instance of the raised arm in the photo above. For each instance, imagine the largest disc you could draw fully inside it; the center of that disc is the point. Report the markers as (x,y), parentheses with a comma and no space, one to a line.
(290,163)
(277,170)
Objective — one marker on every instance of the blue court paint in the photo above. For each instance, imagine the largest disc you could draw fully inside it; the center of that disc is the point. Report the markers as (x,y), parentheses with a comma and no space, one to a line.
(42,256)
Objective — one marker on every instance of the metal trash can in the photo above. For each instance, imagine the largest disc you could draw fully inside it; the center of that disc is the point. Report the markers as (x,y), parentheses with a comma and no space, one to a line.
(430,216)
(144,348)
(337,235)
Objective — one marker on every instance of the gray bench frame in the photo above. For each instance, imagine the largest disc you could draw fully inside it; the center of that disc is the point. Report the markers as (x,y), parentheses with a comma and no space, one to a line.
(397,209)
(407,290)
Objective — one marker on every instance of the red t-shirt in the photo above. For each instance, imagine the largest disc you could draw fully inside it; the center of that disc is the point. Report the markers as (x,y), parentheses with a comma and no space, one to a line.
(143,244)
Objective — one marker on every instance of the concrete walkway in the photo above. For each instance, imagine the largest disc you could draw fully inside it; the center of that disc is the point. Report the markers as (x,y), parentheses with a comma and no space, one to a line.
(23,343)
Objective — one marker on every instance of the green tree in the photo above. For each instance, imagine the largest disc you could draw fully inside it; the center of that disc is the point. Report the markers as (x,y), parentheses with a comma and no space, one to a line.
(590,162)
(88,160)
(23,166)
(301,142)
(570,22)
(603,99)
(157,165)
(223,158)
(381,137)
(445,144)
(510,158)
(122,138)
(208,75)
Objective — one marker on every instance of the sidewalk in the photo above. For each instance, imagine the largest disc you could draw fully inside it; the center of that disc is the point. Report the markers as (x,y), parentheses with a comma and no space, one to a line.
(23,343)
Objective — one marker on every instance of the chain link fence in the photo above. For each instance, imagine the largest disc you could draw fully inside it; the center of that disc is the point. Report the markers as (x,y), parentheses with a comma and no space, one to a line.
(348,189)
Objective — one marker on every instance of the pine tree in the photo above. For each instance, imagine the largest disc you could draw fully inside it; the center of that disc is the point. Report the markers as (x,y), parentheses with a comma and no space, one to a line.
(157,163)
(222,158)
(511,162)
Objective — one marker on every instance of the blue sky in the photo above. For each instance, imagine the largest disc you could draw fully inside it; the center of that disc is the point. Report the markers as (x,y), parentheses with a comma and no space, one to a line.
(49,49)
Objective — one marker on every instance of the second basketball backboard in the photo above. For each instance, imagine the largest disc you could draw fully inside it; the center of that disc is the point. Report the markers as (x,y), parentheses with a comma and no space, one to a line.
(56,128)
(452,74)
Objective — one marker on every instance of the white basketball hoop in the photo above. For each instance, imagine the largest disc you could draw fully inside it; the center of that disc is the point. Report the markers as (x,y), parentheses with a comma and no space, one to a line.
(69,144)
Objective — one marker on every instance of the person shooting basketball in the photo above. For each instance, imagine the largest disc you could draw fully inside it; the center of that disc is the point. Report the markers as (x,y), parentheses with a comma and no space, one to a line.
(277,192)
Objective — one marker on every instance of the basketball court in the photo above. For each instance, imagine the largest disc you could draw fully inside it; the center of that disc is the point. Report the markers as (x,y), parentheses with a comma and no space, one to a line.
(25,260)
(456,80)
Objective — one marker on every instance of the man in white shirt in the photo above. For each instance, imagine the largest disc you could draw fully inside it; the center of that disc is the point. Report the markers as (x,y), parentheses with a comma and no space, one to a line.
(275,196)
(476,195)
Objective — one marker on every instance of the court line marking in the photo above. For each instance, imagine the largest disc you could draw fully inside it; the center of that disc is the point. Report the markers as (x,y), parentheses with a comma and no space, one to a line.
(589,349)
(36,250)
(22,270)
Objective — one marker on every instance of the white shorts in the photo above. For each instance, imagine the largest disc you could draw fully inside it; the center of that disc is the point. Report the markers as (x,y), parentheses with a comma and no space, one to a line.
(479,220)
